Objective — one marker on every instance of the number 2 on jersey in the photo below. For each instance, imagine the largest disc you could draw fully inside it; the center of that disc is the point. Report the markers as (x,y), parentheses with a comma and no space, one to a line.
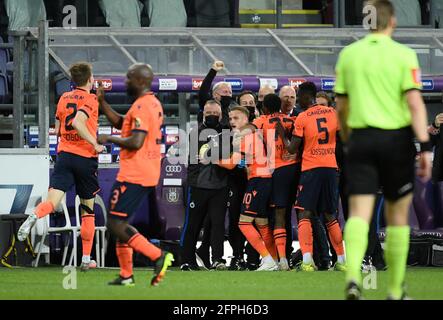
(274,120)
(70,118)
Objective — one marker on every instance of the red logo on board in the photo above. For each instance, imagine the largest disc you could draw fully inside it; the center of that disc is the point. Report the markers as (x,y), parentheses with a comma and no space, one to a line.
(296,82)
(196,84)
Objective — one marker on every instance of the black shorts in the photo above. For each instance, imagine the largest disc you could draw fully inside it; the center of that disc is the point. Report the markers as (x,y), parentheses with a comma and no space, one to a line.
(318,191)
(256,199)
(284,185)
(381,158)
(71,169)
(125,199)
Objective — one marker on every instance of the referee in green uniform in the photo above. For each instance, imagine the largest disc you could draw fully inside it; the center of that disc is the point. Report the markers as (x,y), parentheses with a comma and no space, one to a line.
(381,108)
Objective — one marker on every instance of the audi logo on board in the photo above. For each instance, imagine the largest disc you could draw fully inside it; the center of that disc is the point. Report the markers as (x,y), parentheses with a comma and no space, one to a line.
(173,169)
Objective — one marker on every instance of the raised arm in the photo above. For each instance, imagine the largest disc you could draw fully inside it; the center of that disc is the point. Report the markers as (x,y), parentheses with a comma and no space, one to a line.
(113,117)
(204,94)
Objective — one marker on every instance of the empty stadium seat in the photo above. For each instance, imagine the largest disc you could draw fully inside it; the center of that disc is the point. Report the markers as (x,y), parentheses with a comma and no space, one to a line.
(118,15)
(437,9)
(212,13)
(24,13)
(413,220)
(5,96)
(408,13)
(10,72)
(166,13)
(3,60)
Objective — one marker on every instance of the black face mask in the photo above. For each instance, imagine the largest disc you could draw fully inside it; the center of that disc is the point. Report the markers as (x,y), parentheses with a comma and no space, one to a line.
(251,113)
(225,101)
(212,121)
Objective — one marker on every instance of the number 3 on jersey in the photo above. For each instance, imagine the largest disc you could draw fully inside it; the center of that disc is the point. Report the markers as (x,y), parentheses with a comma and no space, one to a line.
(70,118)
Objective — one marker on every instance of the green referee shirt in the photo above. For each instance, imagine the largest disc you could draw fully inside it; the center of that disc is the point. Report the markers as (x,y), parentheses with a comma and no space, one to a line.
(375,72)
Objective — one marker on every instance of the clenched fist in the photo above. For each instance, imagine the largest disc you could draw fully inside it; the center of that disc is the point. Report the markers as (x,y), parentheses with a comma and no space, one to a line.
(438,120)
(218,65)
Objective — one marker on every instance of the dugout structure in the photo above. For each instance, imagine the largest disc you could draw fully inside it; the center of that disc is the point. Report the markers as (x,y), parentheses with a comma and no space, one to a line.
(38,72)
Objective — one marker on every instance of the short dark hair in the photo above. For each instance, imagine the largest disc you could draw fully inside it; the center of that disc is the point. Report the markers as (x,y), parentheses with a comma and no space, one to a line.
(322,94)
(240,109)
(272,103)
(212,101)
(80,73)
(384,11)
(243,93)
(307,88)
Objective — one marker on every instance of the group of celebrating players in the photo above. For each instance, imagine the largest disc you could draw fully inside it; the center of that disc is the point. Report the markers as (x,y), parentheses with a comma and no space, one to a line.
(288,159)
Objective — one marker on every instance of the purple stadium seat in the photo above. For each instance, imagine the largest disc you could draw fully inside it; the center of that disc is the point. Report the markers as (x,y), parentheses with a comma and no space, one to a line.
(4,93)
(10,72)
(3,60)
(62,86)
(170,195)
(413,221)
(424,213)
(439,212)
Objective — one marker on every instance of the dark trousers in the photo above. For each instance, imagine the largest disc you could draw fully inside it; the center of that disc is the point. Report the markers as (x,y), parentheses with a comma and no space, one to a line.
(321,247)
(204,203)
(236,238)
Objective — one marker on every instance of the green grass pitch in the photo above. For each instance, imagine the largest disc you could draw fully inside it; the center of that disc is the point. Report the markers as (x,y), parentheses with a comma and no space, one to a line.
(47,283)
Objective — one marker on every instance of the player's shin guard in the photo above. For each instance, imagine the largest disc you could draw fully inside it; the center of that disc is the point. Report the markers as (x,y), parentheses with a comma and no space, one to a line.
(396,253)
(305,236)
(87,230)
(43,209)
(280,241)
(253,238)
(124,255)
(142,245)
(268,239)
(336,237)
(356,240)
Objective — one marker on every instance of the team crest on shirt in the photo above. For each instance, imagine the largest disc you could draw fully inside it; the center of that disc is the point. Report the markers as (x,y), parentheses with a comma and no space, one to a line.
(172,195)
(138,122)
